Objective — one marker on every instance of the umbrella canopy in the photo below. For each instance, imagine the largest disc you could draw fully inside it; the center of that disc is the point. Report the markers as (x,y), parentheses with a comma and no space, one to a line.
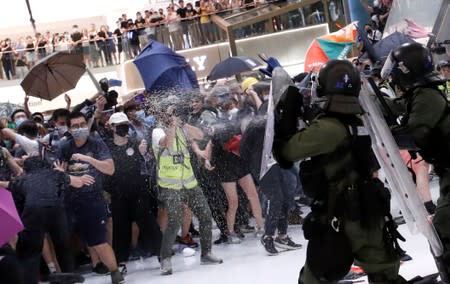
(161,68)
(9,218)
(232,66)
(330,46)
(54,75)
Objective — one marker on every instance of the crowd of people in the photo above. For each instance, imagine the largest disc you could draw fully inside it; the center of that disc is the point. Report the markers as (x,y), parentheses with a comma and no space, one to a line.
(180,26)
(125,179)
(104,184)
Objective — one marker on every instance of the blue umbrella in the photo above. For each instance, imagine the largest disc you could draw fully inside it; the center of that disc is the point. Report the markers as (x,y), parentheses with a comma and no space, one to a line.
(162,68)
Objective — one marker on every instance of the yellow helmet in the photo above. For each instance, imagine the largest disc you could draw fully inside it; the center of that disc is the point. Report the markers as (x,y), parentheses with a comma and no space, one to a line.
(250,81)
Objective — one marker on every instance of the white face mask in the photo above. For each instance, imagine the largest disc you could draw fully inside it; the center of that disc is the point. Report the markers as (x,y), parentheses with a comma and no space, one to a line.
(19,121)
(61,130)
(80,133)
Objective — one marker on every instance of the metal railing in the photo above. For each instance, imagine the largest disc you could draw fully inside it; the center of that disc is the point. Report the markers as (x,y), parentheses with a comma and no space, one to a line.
(111,48)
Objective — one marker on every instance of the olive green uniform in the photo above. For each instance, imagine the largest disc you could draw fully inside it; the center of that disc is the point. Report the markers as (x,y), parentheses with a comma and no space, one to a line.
(428,108)
(325,136)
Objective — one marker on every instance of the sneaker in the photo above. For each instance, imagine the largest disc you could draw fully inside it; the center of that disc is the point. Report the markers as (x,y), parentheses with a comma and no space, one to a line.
(166,266)
(259,233)
(247,229)
(286,243)
(134,254)
(117,277)
(233,238)
(221,240)
(187,241)
(123,268)
(267,242)
(101,269)
(210,259)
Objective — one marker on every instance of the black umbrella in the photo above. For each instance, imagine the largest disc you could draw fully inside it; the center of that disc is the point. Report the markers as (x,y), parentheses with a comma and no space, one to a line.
(232,66)
(54,75)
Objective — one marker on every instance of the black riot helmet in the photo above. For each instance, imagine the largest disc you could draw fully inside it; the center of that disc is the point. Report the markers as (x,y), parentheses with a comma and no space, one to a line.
(408,65)
(338,87)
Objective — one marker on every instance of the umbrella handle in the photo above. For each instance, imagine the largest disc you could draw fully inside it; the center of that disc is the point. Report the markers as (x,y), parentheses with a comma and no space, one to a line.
(97,85)
(263,57)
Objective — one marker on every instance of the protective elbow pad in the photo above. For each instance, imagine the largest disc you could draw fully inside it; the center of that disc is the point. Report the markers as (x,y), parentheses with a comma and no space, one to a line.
(276,151)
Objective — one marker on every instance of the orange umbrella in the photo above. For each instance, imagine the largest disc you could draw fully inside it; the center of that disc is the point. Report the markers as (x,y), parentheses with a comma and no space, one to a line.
(330,46)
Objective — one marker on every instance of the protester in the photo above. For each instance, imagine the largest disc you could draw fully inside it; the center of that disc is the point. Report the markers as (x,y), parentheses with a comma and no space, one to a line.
(43,190)
(130,195)
(178,183)
(84,154)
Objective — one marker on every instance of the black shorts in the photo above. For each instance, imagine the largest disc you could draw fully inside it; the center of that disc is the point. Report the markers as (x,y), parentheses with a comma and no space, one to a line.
(89,216)
(231,168)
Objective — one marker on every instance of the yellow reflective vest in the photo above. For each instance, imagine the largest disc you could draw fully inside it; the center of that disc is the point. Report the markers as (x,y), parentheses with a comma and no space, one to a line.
(174,165)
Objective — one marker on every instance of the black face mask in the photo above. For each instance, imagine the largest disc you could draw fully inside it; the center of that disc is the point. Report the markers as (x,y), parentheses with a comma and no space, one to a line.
(122,130)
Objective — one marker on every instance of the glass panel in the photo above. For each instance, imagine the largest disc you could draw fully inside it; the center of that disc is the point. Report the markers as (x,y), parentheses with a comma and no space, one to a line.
(250,14)
(422,12)
(295,18)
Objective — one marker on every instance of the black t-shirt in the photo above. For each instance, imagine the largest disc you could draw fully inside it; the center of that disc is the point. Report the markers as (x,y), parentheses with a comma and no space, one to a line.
(41,187)
(129,162)
(181,12)
(140,24)
(102,34)
(41,46)
(30,47)
(95,148)
(76,36)
(118,34)
(124,24)
(7,55)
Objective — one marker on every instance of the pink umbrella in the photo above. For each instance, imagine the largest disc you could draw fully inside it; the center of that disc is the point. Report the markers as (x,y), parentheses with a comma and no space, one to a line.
(10,223)
(414,30)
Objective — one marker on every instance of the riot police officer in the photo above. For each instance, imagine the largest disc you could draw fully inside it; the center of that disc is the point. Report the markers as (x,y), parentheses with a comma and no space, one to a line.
(347,221)
(410,67)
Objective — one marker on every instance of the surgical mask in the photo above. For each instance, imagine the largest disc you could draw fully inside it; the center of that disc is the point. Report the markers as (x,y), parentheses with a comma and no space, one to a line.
(80,133)
(122,130)
(140,115)
(61,130)
(19,121)
(150,121)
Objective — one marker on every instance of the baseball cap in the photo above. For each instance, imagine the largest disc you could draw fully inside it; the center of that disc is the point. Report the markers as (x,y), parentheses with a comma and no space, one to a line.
(117,118)
(250,81)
